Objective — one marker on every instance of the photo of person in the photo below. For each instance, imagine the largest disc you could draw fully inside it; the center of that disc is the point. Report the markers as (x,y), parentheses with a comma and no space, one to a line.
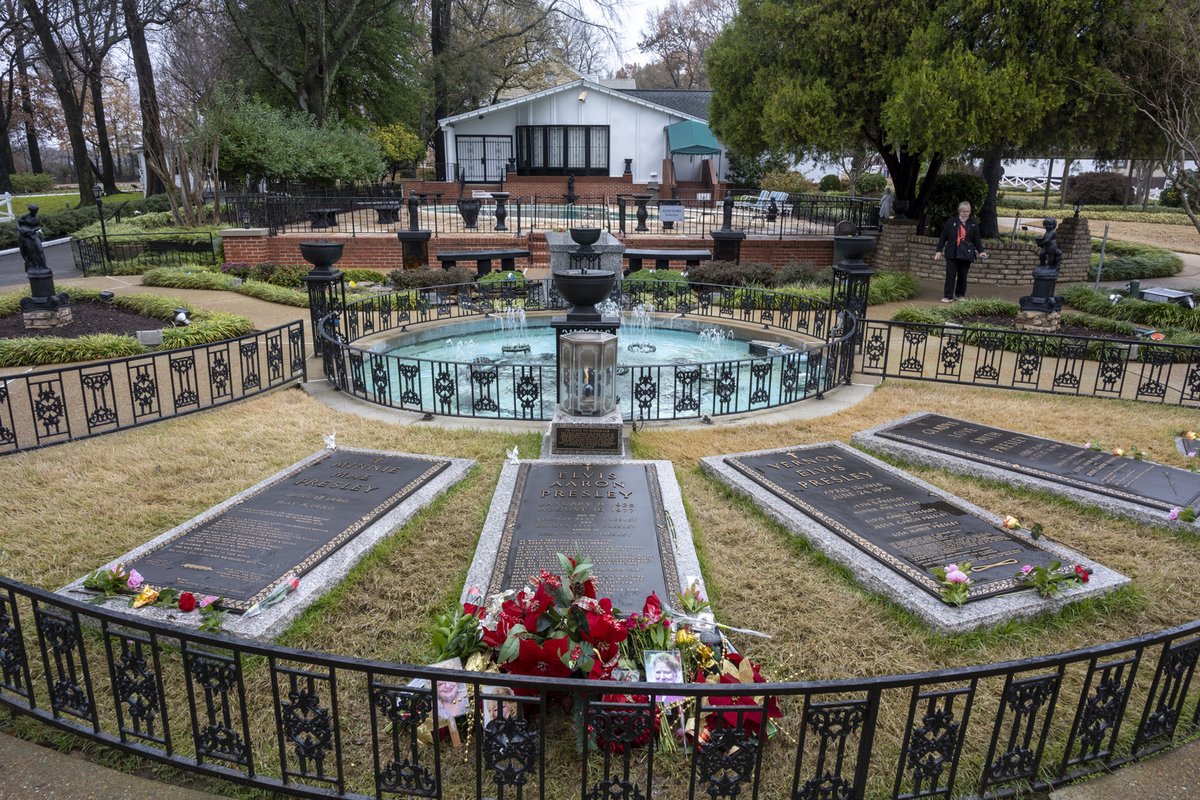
(664,666)
(452,698)
(497,703)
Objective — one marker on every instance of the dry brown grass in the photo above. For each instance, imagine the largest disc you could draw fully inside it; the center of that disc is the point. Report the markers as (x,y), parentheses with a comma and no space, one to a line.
(72,507)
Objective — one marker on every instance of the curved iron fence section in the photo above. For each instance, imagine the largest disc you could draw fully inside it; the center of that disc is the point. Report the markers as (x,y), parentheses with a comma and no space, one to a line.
(317,725)
(125,254)
(1036,362)
(528,392)
(69,403)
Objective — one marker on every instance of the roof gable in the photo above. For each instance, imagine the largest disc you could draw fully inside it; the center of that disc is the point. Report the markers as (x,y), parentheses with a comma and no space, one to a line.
(627,95)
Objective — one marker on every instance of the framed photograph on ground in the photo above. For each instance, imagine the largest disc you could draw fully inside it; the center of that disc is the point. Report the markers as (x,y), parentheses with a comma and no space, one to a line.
(498,703)
(452,699)
(664,666)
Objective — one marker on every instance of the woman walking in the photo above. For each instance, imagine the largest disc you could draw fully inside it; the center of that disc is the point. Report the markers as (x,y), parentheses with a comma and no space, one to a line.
(960,245)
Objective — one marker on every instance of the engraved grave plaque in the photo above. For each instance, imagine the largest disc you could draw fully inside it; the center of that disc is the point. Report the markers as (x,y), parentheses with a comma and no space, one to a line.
(1143,482)
(892,519)
(288,526)
(611,513)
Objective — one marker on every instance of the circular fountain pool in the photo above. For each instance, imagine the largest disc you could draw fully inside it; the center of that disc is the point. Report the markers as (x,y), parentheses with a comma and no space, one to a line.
(504,365)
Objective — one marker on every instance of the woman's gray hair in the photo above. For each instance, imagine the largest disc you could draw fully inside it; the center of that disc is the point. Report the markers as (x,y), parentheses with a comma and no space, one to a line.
(964,204)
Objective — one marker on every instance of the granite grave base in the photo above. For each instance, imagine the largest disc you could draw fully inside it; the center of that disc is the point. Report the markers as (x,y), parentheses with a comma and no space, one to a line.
(1141,490)
(626,517)
(316,519)
(889,528)
(572,437)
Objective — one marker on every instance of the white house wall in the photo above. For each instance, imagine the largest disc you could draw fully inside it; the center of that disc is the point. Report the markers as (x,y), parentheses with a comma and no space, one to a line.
(635,131)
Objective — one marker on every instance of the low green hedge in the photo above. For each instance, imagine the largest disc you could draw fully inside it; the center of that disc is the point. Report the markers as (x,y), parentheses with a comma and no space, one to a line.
(1124,261)
(215,281)
(1154,315)
(65,223)
(207,326)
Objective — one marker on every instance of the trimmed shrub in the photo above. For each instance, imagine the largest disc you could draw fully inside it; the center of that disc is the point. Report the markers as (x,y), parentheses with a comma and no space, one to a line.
(518,278)
(871,184)
(795,272)
(949,190)
(1097,188)
(423,277)
(32,182)
(786,181)
(830,183)
(892,287)
(656,276)
(65,223)
(361,274)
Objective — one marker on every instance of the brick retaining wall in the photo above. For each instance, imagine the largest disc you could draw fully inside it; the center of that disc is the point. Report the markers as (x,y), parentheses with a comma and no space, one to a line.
(382,250)
(1008,264)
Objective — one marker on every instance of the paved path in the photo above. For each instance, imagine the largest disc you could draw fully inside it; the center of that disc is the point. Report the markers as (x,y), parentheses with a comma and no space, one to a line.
(30,770)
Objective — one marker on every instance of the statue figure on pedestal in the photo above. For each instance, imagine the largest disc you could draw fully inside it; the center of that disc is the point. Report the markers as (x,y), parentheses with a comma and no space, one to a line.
(29,239)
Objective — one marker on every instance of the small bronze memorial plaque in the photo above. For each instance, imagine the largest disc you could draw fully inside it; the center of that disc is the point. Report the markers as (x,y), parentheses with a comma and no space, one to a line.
(1143,482)
(892,519)
(573,439)
(288,526)
(610,513)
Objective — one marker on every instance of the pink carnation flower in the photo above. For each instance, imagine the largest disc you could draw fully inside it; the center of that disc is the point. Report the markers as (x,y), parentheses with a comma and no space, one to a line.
(134,581)
(957,576)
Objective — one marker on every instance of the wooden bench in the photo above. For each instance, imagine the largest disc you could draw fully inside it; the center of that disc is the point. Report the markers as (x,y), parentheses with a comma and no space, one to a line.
(483,259)
(663,258)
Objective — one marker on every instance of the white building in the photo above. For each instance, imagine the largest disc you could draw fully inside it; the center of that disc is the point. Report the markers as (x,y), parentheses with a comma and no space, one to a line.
(585,128)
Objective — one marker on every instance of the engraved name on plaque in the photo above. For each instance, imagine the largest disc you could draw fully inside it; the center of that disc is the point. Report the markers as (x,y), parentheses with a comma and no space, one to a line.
(612,514)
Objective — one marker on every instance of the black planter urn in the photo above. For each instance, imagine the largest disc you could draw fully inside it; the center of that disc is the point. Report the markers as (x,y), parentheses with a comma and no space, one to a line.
(469,209)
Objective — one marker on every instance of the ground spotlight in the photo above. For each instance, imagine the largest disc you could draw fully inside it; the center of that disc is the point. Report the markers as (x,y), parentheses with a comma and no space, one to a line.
(181,317)
(106,297)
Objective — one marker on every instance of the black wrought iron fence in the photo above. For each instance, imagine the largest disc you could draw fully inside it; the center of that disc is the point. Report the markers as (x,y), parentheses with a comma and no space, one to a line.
(65,404)
(1036,362)
(782,376)
(126,254)
(316,725)
(517,214)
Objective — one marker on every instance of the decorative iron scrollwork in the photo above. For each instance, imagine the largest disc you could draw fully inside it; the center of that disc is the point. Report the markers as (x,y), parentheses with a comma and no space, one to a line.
(510,751)
(307,726)
(725,763)
(136,686)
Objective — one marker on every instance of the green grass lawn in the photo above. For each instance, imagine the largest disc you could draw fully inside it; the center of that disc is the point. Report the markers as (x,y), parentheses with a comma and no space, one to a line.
(53,203)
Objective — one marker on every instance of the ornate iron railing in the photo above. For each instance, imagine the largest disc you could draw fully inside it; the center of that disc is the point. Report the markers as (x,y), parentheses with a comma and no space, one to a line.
(1035,362)
(528,392)
(126,254)
(317,725)
(622,215)
(77,402)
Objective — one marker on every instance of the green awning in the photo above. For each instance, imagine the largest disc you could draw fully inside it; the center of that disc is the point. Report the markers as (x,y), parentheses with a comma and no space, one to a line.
(692,138)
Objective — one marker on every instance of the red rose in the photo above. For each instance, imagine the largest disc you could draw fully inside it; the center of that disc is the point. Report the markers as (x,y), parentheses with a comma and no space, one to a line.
(1082,574)
(187,602)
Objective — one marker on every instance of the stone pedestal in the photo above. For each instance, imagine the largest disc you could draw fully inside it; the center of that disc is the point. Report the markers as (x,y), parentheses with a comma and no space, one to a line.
(727,245)
(1038,321)
(586,436)
(414,246)
(609,247)
(47,319)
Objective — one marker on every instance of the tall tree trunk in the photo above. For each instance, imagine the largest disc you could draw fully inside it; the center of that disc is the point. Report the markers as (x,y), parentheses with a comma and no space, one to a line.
(1046,191)
(1062,186)
(143,67)
(993,171)
(31,137)
(108,173)
(1128,187)
(439,40)
(7,164)
(65,89)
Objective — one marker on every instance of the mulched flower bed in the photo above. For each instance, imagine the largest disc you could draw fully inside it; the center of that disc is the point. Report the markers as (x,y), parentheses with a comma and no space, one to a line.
(89,318)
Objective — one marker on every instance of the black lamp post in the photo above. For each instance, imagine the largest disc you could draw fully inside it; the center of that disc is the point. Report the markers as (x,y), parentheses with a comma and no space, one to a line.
(98,193)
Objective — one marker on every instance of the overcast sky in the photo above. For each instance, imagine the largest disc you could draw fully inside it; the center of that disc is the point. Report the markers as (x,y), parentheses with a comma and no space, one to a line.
(632,21)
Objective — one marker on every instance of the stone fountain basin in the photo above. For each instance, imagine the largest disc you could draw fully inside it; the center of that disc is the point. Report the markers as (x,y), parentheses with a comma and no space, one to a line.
(854,247)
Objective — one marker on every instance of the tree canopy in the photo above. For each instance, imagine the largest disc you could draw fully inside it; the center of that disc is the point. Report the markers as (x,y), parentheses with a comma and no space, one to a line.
(917,81)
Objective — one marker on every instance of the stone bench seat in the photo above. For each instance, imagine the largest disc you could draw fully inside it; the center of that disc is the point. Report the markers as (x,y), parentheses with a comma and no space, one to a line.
(483,259)
(663,258)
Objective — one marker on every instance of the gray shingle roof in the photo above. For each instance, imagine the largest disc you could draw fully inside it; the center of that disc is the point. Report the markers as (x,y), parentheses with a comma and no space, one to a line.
(691,102)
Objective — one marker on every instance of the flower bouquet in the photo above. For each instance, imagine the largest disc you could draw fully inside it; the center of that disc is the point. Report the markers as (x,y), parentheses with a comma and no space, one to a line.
(1048,580)
(119,581)
(556,626)
(956,585)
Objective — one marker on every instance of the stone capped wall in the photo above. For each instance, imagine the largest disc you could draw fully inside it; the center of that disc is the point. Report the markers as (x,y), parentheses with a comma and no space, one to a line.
(1008,263)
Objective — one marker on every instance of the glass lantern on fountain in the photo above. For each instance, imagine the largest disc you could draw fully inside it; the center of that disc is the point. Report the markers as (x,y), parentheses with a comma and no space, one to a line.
(587,363)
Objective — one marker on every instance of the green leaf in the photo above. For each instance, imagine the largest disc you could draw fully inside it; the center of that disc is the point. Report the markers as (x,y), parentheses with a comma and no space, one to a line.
(510,649)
